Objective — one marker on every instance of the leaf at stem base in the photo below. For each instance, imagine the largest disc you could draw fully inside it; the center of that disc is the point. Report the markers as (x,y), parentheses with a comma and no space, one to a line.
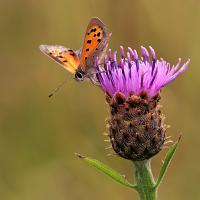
(106,170)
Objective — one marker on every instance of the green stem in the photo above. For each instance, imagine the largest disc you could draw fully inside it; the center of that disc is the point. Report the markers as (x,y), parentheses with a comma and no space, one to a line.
(144,180)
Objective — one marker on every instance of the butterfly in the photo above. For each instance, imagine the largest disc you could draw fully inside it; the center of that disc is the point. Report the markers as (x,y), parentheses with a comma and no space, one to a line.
(81,63)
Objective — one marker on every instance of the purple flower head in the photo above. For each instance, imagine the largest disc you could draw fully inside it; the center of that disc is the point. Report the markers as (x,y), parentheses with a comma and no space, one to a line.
(133,76)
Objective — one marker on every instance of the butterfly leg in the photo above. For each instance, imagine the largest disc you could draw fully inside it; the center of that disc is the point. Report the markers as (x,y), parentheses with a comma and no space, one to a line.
(94,81)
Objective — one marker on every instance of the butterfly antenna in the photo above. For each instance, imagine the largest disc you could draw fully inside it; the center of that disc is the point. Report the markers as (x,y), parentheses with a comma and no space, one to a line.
(57,88)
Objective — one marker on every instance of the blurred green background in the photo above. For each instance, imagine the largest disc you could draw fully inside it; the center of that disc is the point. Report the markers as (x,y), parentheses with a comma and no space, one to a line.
(38,135)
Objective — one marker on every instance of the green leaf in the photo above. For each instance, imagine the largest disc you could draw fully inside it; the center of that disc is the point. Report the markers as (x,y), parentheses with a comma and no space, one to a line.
(106,170)
(166,162)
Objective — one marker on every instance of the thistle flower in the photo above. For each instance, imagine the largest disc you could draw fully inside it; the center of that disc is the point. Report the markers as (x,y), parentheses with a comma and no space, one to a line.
(132,87)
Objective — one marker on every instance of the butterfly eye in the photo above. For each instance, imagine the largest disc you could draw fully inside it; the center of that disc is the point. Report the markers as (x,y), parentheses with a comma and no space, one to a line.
(79,76)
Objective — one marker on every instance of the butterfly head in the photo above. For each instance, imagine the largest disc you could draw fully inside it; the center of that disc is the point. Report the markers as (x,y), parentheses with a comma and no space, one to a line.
(79,75)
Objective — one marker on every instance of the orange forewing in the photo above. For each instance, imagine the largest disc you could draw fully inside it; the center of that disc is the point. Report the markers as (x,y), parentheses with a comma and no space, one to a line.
(93,37)
(64,56)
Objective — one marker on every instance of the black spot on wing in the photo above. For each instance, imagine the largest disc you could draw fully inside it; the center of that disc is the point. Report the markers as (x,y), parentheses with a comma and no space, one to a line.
(98,34)
(87,49)
(99,40)
(89,41)
(93,30)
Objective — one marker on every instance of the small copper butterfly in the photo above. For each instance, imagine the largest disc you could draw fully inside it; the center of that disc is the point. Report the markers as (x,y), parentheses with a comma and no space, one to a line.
(81,63)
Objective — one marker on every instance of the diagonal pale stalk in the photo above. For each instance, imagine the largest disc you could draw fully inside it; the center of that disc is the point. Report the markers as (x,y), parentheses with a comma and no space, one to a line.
(107,170)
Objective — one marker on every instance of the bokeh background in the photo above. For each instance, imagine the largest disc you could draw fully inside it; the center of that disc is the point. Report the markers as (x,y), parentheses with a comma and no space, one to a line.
(38,135)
